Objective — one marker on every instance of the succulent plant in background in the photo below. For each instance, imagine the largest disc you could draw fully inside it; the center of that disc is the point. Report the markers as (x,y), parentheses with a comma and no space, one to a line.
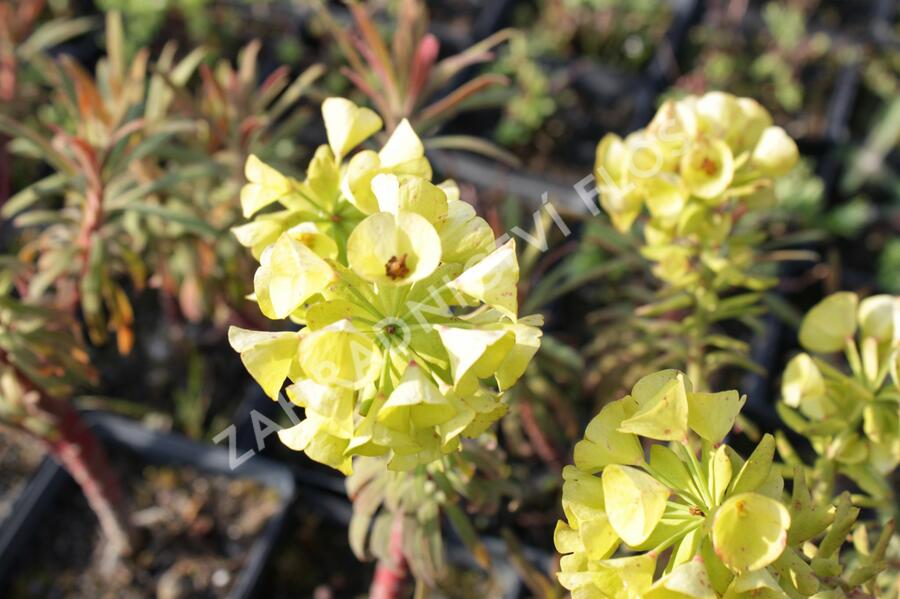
(852,420)
(694,178)
(82,227)
(23,39)
(411,332)
(707,526)
(405,80)
(618,33)
(532,100)
(42,364)
(235,112)
(775,54)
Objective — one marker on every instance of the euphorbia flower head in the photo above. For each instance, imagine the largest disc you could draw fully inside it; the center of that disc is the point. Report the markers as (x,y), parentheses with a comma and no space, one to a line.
(698,166)
(703,527)
(852,418)
(408,313)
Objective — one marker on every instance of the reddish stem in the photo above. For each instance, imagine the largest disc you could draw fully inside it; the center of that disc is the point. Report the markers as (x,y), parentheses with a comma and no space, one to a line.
(79,451)
(77,448)
(7,95)
(391,574)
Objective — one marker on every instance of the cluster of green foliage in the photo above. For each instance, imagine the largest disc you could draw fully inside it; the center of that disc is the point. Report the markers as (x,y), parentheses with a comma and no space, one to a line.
(620,35)
(40,352)
(781,54)
(144,172)
(405,78)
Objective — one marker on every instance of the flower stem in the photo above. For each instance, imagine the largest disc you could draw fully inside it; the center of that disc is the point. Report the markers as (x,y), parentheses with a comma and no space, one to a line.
(82,455)
(391,574)
(72,443)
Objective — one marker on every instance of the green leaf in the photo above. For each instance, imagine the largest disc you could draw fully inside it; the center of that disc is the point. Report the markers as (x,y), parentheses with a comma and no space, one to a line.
(712,415)
(830,324)
(662,411)
(604,444)
(49,186)
(188,221)
(756,469)
(268,357)
(52,33)
(687,581)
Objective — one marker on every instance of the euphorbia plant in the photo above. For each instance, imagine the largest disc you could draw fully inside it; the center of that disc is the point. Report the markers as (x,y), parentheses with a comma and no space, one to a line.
(701,526)
(410,317)
(234,112)
(93,137)
(42,363)
(23,37)
(405,80)
(851,419)
(700,171)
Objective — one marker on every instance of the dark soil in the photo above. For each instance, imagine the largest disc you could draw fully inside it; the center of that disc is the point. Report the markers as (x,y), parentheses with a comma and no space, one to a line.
(194,533)
(313,559)
(20,456)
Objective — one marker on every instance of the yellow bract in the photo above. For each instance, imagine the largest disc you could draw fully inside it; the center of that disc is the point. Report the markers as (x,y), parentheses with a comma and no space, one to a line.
(347,125)
(830,324)
(635,502)
(749,531)
(394,249)
(493,280)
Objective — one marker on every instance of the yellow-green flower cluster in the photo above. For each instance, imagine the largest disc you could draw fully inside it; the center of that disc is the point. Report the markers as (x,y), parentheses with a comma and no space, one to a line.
(699,527)
(696,169)
(852,419)
(411,329)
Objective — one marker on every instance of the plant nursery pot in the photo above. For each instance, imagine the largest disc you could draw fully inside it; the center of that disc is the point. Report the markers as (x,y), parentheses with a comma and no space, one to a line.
(20,458)
(51,486)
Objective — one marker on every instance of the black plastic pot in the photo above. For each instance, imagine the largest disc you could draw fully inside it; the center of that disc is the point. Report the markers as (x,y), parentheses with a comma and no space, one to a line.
(51,481)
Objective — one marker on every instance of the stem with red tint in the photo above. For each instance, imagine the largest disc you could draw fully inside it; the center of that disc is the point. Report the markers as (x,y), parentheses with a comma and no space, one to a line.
(75,446)
(391,574)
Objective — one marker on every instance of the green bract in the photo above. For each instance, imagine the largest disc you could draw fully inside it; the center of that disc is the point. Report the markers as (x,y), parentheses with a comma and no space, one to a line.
(411,330)
(707,526)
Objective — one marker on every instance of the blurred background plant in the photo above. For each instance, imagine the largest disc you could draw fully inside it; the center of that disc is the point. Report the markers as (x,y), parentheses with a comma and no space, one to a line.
(43,363)
(407,79)
(26,32)
(235,112)
(618,33)
(776,55)
(81,226)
